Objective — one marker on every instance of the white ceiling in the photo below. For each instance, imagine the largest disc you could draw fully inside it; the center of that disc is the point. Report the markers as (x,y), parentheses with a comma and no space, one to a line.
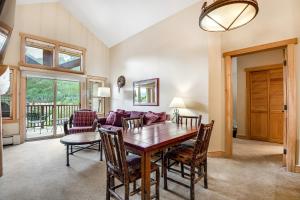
(113,21)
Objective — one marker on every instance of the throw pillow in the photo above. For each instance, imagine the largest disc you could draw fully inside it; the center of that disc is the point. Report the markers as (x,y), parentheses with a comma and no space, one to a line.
(150,118)
(111,118)
(162,116)
(136,114)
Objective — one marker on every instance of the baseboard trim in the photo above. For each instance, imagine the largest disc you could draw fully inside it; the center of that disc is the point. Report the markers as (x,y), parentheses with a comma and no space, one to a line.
(216,154)
(244,137)
(297,169)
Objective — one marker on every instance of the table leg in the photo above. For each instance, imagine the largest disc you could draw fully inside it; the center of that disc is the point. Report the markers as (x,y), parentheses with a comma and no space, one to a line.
(100,149)
(146,174)
(68,164)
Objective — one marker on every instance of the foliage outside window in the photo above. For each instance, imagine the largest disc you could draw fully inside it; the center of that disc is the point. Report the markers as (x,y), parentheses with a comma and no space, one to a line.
(94,102)
(51,54)
(8,100)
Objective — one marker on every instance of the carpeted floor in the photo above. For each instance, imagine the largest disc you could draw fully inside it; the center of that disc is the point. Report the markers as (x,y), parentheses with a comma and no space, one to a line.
(37,171)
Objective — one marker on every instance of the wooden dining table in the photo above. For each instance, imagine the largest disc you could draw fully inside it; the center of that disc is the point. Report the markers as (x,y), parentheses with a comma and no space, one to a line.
(152,139)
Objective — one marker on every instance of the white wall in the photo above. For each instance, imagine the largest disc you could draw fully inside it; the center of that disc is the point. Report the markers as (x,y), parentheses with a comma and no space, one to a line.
(52,21)
(249,61)
(277,20)
(176,51)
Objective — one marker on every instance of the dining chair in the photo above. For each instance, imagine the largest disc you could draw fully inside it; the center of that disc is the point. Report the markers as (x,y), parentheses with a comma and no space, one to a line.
(194,157)
(125,168)
(136,122)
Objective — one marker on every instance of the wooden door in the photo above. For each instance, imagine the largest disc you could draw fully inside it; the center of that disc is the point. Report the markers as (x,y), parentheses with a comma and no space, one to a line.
(259,105)
(266,105)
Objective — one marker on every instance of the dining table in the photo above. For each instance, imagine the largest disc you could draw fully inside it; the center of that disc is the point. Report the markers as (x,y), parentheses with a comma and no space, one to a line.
(149,140)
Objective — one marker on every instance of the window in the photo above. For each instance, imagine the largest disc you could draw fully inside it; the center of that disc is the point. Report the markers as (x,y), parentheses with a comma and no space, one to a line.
(94,102)
(8,100)
(3,38)
(70,59)
(51,54)
(4,35)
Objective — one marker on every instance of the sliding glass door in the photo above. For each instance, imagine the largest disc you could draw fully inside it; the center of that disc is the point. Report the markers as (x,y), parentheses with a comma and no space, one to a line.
(49,103)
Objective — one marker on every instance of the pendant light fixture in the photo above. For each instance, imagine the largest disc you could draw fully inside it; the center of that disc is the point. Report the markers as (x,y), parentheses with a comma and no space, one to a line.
(225,15)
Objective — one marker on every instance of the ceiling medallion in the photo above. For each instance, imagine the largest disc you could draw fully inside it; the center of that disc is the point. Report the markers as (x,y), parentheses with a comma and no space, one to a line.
(225,15)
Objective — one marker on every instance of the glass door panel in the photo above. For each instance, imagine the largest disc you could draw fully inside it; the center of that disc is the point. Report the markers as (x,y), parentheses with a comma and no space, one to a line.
(67,101)
(39,107)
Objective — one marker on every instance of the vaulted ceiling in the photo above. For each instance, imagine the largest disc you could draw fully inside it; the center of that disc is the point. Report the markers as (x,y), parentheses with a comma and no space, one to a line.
(113,21)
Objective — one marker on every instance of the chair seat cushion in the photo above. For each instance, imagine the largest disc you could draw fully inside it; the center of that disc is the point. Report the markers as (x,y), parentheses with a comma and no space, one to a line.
(189,143)
(111,127)
(134,167)
(181,154)
(81,129)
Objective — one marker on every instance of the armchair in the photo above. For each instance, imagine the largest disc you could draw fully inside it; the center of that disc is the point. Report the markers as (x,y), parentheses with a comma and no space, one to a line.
(81,121)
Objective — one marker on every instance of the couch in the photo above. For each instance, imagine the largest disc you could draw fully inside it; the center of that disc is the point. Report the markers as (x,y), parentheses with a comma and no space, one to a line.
(114,119)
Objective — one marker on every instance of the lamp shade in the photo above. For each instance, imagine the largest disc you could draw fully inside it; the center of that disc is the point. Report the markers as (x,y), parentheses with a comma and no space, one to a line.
(4,79)
(225,15)
(177,103)
(104,92)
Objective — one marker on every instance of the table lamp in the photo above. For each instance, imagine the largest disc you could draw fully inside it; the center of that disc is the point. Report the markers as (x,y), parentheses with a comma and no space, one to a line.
(176,103)
(103,92)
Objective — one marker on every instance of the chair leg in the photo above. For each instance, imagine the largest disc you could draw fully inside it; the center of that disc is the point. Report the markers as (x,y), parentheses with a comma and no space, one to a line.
(165,164)
(205,175)
(107,187)
(162,163)
(126,191)
(192,188)
(157,184)
(182,169)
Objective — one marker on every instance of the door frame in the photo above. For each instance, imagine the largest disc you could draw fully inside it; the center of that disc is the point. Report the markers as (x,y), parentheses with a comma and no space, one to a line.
(289,46)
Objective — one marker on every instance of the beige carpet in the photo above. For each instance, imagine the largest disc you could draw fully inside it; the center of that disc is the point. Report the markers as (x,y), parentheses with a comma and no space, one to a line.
(37,171)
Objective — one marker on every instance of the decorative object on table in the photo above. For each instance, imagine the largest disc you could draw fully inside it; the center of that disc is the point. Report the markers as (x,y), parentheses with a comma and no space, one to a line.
(176,103)
(225,15)
(103,92)
(81,141)
(127,170)
(81,121)
(121,82)
(195,157)
(146,92)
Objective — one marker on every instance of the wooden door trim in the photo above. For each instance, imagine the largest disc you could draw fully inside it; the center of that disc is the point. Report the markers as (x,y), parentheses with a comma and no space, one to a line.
(289,45)
(248,92)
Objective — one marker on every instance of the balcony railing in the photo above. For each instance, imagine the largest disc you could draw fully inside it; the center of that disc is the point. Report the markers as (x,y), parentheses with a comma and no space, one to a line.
(42,115)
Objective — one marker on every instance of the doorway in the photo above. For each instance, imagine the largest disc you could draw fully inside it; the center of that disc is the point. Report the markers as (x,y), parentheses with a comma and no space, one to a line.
(49,103)
(290,113)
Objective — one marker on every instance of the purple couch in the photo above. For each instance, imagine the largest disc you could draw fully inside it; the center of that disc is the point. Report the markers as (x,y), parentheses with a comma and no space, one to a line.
(114,118)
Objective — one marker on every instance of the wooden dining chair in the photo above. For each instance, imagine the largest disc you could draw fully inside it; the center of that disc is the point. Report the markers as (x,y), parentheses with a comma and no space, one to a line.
(127,169)
(194,157)
(192,121)
(136,122)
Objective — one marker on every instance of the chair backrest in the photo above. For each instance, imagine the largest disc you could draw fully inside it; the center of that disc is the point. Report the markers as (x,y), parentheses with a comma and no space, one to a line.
(136,122)
(193,121)
(114,150)
(202,141)
(83,118)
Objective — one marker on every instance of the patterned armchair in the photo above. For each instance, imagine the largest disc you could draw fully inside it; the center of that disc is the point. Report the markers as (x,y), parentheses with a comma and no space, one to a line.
(81,121)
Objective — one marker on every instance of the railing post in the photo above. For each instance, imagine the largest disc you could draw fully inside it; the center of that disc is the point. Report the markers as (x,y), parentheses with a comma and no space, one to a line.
(42,117)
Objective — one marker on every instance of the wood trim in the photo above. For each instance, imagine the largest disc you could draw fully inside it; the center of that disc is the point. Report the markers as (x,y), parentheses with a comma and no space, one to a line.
(248,99)
(292,109)
(297,169)
(262,68)
(243,137)
(216,154)
(1,144)
(263,47)
(229,107)
(44,67)
(22,108)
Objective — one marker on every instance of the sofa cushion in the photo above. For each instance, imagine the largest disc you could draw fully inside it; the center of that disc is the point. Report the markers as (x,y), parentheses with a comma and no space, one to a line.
(120,111)
(74,130)
(150,118)
(162,116)
(118,119)
(136,114)
(84,118)
(110,118)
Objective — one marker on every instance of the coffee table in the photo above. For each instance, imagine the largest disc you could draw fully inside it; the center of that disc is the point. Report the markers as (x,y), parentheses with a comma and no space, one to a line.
(82,141)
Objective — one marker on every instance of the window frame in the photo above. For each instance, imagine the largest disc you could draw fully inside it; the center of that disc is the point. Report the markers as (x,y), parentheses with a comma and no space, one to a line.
(96,79)
(13,86)
(57,45)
